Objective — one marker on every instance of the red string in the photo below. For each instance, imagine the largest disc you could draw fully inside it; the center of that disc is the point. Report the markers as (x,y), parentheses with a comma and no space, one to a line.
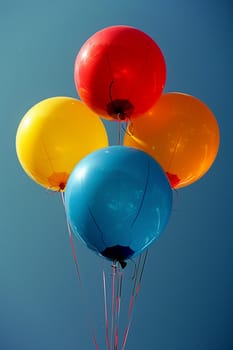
(72,243)
(77,268)
(119,132)
(135,291)
(113,304)
(118,306)
(106,311)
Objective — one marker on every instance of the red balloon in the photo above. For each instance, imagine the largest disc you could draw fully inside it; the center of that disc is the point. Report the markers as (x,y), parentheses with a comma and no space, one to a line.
(120,72)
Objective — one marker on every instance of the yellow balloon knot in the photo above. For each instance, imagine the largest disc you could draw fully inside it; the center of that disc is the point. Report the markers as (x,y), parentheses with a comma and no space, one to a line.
(58,180)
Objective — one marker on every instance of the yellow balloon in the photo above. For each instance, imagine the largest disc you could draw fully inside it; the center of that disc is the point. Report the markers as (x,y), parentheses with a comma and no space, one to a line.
(53,136)
(181,133)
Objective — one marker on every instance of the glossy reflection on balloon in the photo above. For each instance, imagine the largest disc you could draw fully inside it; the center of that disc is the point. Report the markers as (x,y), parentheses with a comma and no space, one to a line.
(118,201)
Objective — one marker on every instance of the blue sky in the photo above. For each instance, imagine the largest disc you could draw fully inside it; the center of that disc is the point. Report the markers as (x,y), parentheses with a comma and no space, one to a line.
(186,295)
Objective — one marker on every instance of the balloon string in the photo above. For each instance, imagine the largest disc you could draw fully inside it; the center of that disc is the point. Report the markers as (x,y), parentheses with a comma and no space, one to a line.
(142,270)
(106,311)
(143,195)
(135,291)
(77,269)
(118,306)
(47,154)
(113,303)
(72,243)
(174,152)
(126,127)
(122,129)
(126,335)
(119,133)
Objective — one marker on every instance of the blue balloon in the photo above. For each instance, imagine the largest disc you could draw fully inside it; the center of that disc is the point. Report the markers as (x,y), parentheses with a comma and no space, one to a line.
(118,201)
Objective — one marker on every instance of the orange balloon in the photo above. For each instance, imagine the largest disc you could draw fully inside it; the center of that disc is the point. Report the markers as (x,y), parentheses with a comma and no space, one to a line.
(181,133)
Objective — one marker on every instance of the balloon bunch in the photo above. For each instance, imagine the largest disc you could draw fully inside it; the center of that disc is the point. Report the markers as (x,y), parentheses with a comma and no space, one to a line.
(118,199)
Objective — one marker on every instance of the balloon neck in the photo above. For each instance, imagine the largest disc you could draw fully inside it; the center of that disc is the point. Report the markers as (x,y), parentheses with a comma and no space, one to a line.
(58,180)
(120,110)
(62,186)
(173,179)
(123,263)
(118,253)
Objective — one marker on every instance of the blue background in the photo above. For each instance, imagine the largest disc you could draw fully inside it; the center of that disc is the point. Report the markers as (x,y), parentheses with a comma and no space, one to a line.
(185,301)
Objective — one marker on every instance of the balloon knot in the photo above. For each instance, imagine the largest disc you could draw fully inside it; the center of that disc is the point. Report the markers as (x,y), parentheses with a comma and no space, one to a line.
(62,186)
(122,263)
(173,179)
(120,109)
(58,180)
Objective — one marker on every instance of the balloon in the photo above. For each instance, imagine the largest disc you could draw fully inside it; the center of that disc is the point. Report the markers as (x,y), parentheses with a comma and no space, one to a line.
(120,72)
(181,133)
(53,136)
(118,201)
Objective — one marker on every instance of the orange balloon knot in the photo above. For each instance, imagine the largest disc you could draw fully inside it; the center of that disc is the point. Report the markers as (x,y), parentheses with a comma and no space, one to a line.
(120,109)
(173,179)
